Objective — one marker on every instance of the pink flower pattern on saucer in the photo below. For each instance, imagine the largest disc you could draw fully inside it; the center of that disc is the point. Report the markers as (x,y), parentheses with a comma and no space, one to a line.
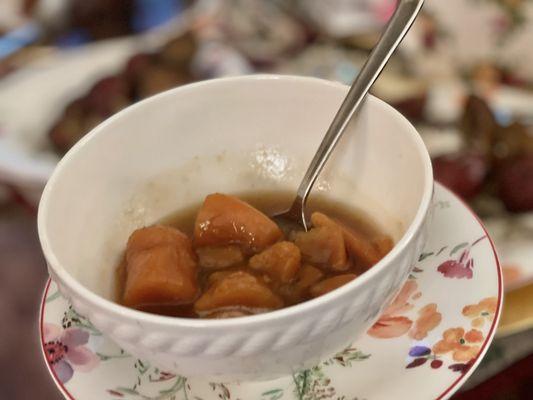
(66,352)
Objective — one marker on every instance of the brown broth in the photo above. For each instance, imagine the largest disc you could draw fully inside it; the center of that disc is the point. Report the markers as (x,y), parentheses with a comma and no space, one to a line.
(270,203)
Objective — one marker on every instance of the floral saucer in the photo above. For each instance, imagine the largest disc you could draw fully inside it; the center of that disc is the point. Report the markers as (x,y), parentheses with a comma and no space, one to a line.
(425,345)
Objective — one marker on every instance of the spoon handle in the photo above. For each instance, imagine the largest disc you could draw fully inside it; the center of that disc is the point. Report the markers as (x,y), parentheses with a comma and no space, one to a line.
(398,26)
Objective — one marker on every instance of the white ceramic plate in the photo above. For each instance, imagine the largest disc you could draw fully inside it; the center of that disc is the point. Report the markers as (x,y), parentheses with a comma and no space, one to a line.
(427,343)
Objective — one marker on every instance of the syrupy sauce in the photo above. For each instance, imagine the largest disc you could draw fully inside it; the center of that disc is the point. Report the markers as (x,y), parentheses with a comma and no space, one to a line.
(270,203)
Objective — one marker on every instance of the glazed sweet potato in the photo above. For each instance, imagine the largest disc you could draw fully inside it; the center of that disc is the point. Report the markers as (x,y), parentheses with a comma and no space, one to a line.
(217,276)
(323,245)
(224,220)
(327,285)
(216,257)
(238,289)
(299,289)
(308,276)
(158,276)
(156,235)
(280,261)
(383,244)
(160,268)
(357,245)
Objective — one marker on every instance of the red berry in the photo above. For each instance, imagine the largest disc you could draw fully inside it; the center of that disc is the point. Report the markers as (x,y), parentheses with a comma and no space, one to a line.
(515,183)
(436,364)
(109,95)
(462,173)
(138,64)
(416,362)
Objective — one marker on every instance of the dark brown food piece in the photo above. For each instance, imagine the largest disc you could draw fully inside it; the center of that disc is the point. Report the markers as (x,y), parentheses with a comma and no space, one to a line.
(478,126)
(109,95)
(511,142)
(158,78)
(412,107)
(137,65)
(515,184)
(69,129)
(483,135)
(464,174)
(492,163)
(180,51)
(145,74)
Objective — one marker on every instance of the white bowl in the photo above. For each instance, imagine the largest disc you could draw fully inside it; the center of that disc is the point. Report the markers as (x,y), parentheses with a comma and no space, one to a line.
(230,135)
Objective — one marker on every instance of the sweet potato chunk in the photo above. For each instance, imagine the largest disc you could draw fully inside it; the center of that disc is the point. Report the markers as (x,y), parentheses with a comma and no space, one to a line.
(217,276)
(237,289)
(216,257)
(360,247)
(159,275)
(323,245)
(327,285)
(383,244)
(298,290)
(280,261)
(224,220)
(160,268)
(152,236)
(357,245)
(308,276)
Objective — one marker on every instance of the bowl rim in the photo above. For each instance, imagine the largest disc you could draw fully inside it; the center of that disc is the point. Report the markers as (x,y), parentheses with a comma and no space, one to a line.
(99,302)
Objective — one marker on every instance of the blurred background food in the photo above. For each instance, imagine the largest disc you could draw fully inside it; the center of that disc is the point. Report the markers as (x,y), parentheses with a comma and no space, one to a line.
(463,77)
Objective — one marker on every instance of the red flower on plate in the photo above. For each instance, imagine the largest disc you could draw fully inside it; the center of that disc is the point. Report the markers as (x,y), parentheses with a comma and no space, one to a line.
(462,268)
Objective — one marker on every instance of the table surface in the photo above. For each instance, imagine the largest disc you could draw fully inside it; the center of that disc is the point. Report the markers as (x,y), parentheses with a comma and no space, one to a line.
(22,278)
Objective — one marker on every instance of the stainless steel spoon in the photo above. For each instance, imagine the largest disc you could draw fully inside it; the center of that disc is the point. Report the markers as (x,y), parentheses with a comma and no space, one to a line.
(398,26)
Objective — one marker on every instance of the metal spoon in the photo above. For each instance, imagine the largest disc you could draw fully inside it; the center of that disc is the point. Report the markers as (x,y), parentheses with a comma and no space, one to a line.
(398,26)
